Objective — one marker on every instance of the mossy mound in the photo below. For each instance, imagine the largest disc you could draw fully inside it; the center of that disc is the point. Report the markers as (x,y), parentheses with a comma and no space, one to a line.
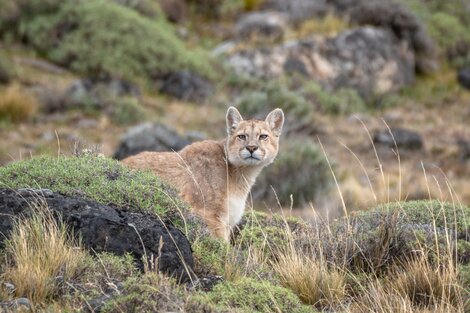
(154,293)
(96,178)
(375,239)
(253,295)
(104,38)
(268,233)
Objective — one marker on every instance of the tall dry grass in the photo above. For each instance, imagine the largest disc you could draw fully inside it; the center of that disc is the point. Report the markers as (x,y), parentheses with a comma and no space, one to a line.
(41,255)
(17,105)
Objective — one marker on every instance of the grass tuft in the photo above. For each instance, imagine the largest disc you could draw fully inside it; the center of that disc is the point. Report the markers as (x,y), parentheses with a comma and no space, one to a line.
(16,105)
(314,281)
(40,254)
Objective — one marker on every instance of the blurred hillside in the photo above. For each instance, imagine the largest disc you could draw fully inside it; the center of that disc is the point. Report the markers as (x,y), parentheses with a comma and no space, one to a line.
(374,91)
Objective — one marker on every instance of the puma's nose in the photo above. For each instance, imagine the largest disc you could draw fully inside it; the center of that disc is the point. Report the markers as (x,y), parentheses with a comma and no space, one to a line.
(252,148)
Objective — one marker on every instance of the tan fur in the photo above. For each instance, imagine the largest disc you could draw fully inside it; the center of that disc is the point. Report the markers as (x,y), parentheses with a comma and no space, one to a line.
(215,177)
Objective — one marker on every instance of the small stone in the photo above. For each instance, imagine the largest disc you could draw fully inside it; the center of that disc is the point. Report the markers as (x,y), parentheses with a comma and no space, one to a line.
(463,77)
(21,302)
(404,138)
(10,287)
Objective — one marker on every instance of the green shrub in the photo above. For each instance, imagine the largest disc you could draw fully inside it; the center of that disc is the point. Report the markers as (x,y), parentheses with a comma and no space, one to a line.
(127,110)
(254,295)
(300,170)
(341,101)
(263,97)
(447,30)
(95,178)
(102,38)
(210,255)
(7,69)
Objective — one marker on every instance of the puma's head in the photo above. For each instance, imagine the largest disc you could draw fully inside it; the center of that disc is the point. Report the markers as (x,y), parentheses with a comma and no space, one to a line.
(253,142)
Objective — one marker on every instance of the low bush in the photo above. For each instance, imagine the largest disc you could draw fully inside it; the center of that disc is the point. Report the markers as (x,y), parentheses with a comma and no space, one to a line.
(341,101)
(102,38)
(300,170)
(127,110)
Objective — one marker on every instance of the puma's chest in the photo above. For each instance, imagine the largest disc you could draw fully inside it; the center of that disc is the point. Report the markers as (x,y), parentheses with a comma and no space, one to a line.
(236,207)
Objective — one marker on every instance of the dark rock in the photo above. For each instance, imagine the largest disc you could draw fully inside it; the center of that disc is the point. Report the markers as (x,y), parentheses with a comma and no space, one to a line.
(463,77)
(149,137)
(403,138)
(464,149)
(370,60)
(266,26)
(186,86)
(175,10)
(105,228)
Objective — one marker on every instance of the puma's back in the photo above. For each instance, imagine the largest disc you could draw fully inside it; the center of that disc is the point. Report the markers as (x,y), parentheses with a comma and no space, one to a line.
(215,177)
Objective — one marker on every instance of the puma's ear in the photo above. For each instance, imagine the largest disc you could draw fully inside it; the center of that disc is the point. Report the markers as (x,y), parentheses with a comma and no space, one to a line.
(275,120)
(233,118)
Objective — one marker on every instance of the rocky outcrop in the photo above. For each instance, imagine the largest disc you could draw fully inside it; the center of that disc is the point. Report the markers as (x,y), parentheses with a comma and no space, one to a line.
(149,137)
(386,14)
(105,228)
(403,138)
(368,59)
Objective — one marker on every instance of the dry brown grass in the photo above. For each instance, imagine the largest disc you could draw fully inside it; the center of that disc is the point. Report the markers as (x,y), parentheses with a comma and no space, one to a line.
(415,286)
(16,105)
(40,254)
(314,281)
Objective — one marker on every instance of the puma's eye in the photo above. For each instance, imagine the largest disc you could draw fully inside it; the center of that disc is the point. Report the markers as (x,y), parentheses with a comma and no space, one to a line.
(242,137)
(263,137)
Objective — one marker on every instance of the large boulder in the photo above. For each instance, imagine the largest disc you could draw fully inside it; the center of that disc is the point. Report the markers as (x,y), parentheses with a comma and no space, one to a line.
(105,228)
(370,60)
(149,137)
